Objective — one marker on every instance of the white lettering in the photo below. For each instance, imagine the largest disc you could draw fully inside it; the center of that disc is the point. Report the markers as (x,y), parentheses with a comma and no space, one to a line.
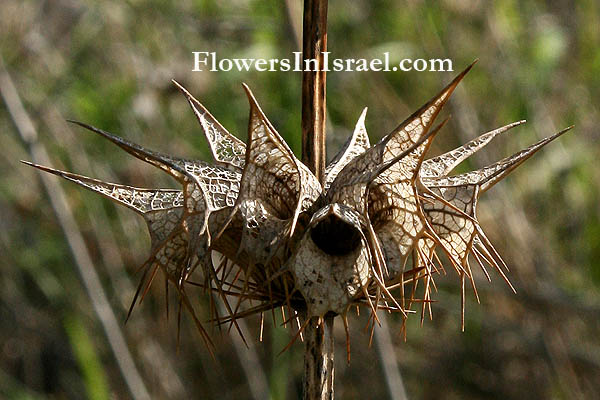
(325,66)
(338,65)
(443,65)
(297,61)
(361,65)
(403,68)
(420,65)
(311,61)
(224,67)
(243,64)
(213,62)
(198,60)
(272,63)
(375,65)
(386,58)
(204,60)
(349,63)
(260,65)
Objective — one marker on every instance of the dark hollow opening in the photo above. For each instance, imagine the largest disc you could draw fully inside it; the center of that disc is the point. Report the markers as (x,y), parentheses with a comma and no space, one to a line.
(335,237)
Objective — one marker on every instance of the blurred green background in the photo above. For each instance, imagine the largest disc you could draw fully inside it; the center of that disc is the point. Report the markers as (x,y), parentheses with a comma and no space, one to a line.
(110,64)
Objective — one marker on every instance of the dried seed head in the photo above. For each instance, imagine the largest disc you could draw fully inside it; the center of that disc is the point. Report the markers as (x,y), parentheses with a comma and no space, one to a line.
(366,237)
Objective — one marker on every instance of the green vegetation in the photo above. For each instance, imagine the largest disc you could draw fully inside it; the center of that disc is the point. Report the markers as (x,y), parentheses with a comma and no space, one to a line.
(110,64)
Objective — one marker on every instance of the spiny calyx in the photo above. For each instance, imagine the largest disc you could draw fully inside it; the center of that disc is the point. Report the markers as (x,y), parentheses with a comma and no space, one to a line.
(258,230)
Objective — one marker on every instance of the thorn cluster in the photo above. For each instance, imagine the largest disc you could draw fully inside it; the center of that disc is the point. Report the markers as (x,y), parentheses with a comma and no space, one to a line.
(257,229)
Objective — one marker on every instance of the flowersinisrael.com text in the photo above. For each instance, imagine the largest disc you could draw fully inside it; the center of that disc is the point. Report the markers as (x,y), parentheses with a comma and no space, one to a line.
(208,61)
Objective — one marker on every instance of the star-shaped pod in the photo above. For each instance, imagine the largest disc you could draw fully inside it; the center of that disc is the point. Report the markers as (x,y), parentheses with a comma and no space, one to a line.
(258,230)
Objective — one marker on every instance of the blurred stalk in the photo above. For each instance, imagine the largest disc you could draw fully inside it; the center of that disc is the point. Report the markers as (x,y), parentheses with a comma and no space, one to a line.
(387,356)
(319,346)
(82,257)
(154,356)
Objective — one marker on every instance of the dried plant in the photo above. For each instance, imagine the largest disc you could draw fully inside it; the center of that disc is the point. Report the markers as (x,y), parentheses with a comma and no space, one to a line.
(257,229)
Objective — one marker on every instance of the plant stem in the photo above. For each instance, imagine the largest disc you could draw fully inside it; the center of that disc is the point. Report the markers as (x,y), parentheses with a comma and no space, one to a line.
(319,346)
(314,43)
(318,359)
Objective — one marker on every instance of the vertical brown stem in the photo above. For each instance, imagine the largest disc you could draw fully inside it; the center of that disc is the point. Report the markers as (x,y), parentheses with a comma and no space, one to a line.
(318,359)
(318,356)
(314,43)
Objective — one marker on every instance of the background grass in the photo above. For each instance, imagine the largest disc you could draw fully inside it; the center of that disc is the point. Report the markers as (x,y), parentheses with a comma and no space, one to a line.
(110,64)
